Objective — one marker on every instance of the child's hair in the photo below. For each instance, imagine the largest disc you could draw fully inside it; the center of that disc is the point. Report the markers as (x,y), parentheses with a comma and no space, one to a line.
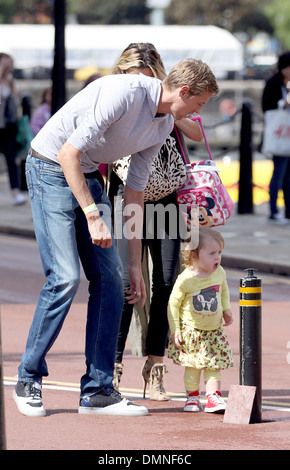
(205,233)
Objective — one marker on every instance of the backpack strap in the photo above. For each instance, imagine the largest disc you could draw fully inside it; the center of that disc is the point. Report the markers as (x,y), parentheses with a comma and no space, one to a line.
(181,144)
(195,118)
(198,118)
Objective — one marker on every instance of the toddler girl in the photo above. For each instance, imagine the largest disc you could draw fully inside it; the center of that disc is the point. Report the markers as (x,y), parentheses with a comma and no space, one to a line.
(198,305)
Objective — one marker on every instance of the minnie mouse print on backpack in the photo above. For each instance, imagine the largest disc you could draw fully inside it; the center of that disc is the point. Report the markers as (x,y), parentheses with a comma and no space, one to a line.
(204,191)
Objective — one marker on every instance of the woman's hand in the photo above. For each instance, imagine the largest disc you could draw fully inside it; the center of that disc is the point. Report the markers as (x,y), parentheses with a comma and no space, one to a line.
(137,289)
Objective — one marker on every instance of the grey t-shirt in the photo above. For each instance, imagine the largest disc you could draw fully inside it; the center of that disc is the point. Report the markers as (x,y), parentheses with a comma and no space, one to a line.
(111,118)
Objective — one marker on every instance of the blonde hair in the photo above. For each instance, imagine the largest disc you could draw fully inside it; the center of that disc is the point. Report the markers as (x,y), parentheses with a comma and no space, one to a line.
(140,55)
(195,74)
(205,234)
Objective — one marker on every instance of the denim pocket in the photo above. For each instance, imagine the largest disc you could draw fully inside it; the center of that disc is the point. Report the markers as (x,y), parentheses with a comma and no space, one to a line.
(52,168)
(52,175)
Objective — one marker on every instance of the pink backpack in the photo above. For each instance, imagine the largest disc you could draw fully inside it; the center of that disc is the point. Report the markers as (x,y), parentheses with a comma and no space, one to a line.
(204,190)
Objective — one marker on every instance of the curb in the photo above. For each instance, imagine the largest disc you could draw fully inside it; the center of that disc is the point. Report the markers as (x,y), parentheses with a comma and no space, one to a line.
(238,262)
(228,261)
(21,232)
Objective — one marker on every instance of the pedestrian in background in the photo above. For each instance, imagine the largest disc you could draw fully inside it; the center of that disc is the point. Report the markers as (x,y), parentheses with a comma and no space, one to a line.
(43,112)
(8,126)
(275,96)
(199,307)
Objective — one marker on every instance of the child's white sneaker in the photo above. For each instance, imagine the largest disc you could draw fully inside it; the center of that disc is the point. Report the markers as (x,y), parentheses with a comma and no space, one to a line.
(192,402)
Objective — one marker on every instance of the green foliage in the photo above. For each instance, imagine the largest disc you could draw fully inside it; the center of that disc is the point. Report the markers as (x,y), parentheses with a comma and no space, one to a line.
(7,10)
(26,11)
(110,12)
(278,12)
(234,15)
(223,13)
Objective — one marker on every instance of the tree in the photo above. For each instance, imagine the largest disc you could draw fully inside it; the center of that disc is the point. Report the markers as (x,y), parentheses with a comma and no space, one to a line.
(254,22)
(224,13)
(249,16)
(278,11)
(28,11)
(86,11)
(7,9)
(111,12)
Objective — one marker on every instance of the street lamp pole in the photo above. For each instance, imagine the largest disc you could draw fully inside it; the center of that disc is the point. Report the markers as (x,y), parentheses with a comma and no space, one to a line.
(59,69)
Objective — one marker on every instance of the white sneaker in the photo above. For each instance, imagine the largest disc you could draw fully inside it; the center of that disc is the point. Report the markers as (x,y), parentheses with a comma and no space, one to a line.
(112,403)
(192,402)
(27,396)
(278,219)
(19,199)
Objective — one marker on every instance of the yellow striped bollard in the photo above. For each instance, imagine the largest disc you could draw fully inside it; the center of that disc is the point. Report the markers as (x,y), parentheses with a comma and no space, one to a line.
(250,338)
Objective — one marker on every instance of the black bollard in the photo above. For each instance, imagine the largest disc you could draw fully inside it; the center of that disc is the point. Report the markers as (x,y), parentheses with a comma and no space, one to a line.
(245,202)
(250,339)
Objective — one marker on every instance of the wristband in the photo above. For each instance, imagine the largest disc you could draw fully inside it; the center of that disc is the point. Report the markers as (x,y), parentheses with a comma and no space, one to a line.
(90,208)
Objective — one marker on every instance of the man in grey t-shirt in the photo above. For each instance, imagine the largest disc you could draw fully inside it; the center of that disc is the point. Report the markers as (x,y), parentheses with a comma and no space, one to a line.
(113,117)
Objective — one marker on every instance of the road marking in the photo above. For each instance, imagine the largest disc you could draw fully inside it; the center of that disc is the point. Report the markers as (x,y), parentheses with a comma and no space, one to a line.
(138,393)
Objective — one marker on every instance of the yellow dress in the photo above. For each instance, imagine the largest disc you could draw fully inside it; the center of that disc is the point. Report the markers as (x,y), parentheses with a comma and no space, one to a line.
(195,309)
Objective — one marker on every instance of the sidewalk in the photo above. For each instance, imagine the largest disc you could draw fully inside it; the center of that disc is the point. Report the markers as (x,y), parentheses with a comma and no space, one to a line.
(250,240)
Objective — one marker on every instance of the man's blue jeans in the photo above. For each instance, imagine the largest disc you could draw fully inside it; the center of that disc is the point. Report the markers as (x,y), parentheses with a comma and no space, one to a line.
(63,238)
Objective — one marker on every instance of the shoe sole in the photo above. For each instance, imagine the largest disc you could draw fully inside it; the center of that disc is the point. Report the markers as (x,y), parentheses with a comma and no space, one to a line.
(160,399)
(114,410)
(28,410)
(192,409)
(216,409)
(278,222)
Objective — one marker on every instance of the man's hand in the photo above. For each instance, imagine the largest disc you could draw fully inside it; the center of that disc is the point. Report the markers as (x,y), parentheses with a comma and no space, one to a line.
(100,233)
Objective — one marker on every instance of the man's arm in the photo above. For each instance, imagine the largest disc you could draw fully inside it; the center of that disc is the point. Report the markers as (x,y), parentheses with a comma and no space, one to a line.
(69,159)
(134,205)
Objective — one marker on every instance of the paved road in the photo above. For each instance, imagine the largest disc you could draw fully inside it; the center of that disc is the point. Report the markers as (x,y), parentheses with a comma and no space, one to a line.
(166,427)
(249,238)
